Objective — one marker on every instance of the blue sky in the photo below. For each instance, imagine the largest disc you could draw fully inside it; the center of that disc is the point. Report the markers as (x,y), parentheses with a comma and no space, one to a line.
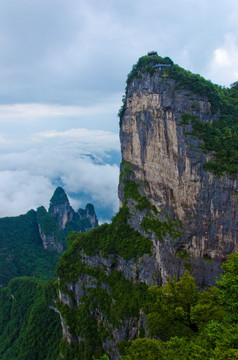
(63,66)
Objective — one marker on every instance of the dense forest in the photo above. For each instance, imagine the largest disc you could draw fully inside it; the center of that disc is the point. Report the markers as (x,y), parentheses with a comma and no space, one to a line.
(21,250)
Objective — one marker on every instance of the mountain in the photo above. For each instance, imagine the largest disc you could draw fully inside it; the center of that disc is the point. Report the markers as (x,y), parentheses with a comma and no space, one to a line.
(56,224)
(178,195)
(30,247)
(194,222)
(30,244)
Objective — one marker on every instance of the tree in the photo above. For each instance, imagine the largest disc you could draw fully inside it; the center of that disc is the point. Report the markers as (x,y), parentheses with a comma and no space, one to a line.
(228,287)
(169,308)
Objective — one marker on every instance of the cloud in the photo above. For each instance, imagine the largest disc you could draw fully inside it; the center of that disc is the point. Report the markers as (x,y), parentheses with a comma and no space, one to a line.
(77,159)
(35,111)
(224,62)
(21,191)
(63,67)
(77,51)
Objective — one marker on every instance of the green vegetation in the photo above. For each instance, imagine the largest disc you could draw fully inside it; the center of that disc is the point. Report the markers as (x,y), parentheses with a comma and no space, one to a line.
(117,238)
(101,307)
(220,138)
(28,328)
(59,197)
(116,300)
(149,224)
(191,324)
(131,191)
(161,228)
(47,223)
(21,250)
(145,64)
(119,300)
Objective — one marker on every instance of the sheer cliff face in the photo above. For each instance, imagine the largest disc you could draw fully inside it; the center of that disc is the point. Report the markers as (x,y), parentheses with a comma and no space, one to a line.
(186,217)
(160,155)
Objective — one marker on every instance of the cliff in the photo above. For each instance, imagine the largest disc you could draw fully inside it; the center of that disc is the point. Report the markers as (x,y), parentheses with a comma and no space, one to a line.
(167,161)
(178,194)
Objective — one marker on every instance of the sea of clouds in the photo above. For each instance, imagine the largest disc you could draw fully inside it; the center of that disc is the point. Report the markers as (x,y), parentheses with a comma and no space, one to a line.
(84,162)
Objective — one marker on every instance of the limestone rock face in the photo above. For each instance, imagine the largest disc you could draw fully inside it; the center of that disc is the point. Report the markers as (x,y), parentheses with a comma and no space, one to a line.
(170,164)
(50,242)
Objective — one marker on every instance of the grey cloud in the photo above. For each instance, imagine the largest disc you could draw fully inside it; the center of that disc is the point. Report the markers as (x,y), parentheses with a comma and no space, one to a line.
(55,51)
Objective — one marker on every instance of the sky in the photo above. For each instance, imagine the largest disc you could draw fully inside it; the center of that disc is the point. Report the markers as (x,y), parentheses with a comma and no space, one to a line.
(63,67)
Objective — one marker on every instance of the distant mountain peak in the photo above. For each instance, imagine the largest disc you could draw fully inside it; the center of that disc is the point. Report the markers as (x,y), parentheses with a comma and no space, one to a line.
(59,197)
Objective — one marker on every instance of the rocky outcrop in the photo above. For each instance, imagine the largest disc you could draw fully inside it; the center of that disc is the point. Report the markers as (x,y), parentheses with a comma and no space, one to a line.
(55,225)
(160,154)
(89,215)
(50,242)
(60,208)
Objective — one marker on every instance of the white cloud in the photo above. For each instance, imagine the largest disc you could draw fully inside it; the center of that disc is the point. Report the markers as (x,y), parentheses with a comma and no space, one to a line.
(97,141)
(224,64)
(31,112)
(21,191)
(77,159)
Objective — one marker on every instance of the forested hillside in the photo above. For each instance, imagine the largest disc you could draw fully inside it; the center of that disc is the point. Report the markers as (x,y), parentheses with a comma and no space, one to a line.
(21,249)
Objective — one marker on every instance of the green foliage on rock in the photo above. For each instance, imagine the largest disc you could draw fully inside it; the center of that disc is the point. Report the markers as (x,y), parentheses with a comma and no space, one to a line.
(117,238)
(131,191)
(220,138)
(102,307)
(146,64)
(161,228)
(169,308)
